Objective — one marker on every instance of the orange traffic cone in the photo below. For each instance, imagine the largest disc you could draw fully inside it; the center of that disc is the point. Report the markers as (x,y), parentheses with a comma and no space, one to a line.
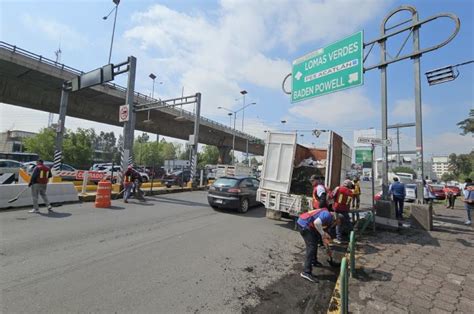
(102,198)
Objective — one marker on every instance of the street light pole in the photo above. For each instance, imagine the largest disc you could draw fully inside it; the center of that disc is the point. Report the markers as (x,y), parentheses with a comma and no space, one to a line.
(243,92)
(113,29)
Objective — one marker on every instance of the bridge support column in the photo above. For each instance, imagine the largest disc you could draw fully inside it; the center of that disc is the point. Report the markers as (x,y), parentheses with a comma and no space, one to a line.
(224,154)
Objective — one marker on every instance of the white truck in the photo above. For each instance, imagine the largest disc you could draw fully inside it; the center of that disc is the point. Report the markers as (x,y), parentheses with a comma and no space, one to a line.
(236,170)
(283,158)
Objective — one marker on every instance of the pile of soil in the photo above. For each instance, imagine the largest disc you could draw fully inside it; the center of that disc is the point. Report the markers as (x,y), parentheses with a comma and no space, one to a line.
(293,294)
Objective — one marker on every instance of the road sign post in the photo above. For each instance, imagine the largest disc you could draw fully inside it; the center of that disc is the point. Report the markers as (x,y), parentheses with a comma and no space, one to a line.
(329,69)
(375,141)
(123,113)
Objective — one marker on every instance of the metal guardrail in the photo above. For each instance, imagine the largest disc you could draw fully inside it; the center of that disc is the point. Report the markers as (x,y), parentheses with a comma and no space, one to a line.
(344,281)
(352,253)
(140,96)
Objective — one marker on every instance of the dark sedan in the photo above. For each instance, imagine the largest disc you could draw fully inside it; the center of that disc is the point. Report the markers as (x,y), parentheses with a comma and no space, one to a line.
(233,192)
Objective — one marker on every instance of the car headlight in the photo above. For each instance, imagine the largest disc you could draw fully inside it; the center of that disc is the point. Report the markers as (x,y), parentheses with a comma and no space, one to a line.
(212,188)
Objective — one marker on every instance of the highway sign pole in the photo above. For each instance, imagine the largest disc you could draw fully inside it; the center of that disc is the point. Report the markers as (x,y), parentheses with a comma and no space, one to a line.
(196,138)
(58,155)
(373,185)
(418,113)
(129,126)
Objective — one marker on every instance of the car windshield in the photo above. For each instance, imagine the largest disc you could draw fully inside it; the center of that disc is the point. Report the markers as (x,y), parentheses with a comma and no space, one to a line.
(226,182)
(437,187)
(412,186)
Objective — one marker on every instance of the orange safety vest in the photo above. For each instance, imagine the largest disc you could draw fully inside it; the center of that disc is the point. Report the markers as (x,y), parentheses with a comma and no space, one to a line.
(43,174)
(342,199)
(315,196)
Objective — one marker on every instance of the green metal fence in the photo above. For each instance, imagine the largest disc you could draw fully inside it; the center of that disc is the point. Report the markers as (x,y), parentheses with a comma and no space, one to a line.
(352,253)
(344,281)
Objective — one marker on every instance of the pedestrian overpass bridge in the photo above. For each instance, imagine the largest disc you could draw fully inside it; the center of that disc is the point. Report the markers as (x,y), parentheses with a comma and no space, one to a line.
(32,81)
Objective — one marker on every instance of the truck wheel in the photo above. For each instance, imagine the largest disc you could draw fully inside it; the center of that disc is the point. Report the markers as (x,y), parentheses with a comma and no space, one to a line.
(244,205)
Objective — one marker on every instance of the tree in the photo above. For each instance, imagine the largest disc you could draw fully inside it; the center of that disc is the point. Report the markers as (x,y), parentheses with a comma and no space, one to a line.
(462,164)
(467,125)
(144,138)
(405,170)
(78,147)
(448,177)
(42,144)
(209,156)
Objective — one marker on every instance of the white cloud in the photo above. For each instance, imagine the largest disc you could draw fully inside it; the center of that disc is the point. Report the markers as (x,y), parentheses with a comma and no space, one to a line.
(341,109)
(232,48)
(448,142)
(54,30)
(405,108)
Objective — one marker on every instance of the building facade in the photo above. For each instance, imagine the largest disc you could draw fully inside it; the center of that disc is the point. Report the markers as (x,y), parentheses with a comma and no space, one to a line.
(12,141)
(440,165)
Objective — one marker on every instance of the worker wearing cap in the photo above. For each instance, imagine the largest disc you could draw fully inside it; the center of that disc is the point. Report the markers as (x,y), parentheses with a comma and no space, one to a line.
(320,192)
(38,183)
(342,203)
(311,226)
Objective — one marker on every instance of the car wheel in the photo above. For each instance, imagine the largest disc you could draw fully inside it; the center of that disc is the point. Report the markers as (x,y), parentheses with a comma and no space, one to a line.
(244,205)
(168,186)
(145,179)
(213,206)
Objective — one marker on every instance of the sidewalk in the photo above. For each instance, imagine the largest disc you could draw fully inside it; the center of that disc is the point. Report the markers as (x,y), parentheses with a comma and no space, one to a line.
(416,271)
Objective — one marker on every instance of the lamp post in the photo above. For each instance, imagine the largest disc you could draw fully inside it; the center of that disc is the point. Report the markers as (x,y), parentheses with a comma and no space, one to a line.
(113,29)
(232,112)
(243,92)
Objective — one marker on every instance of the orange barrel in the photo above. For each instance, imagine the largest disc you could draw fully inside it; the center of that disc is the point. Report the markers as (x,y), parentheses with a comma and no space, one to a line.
(102,198)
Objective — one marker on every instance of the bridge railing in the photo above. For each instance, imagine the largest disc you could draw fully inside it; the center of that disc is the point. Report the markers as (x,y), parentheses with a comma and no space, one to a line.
(61,66)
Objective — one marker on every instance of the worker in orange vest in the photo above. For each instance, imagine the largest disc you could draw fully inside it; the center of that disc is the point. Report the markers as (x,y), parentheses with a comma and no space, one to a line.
(320,192)
(128,179)
(38,183)
(342,204)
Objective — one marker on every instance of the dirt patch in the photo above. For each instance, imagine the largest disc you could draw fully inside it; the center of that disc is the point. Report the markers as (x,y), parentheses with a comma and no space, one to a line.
(293,294)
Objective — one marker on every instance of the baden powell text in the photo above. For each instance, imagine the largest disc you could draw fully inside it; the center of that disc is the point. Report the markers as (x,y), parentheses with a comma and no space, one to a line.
(326,70)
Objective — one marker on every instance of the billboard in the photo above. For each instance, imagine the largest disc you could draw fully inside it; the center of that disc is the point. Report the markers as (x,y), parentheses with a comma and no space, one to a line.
(363,155)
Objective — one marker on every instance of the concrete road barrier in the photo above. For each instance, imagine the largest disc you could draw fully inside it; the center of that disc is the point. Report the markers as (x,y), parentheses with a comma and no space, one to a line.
(57,193)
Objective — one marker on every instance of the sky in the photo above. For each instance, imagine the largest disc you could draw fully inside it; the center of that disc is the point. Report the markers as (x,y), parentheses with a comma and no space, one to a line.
(219,48)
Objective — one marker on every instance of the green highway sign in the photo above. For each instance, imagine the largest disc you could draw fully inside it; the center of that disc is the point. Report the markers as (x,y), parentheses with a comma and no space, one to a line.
(363,155)
(330,69)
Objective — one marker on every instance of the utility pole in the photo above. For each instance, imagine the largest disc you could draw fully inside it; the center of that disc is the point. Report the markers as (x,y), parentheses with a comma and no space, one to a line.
(398,146)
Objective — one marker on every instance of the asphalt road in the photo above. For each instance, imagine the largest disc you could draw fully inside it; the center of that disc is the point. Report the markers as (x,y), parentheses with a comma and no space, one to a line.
(173,254)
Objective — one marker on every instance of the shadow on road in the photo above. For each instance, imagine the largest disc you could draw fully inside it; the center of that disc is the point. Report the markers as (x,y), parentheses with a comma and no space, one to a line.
(55,214)
(253,212)
(116,207)
(169,200)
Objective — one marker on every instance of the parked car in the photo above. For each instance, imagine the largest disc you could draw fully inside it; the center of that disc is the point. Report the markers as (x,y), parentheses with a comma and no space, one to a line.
(456,190)
(180,178)
(233,192)
(11,166)
(438,191)
(30,166)
(411,192)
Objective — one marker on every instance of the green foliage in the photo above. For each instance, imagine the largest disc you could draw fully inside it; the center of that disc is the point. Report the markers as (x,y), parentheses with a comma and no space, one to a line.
(153,153)
(448,177)
(467,125)
(42,144)
(209,156)
(78,147)
(404,170)
(462,165)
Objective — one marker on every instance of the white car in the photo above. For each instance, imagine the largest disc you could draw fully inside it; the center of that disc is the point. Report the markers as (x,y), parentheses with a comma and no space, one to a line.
(11,166)
(108,173)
